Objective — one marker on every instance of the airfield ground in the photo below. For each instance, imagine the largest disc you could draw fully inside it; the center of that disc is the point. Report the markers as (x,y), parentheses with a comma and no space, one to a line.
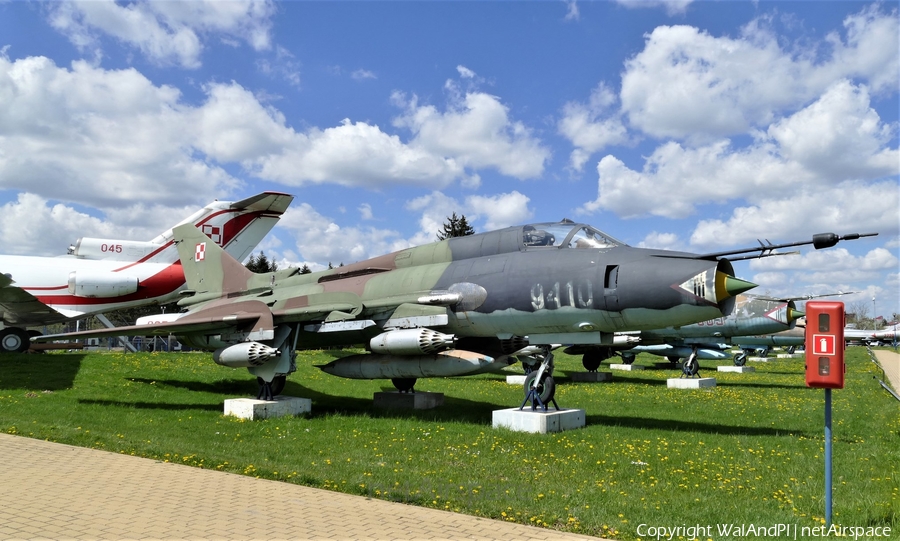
(748,451)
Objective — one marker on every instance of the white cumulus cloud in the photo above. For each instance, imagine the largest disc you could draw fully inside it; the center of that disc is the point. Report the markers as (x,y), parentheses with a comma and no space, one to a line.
(499,211)
(476,131)
(592,126)
(102,138)
(165,32)
(688,83)
(827,161)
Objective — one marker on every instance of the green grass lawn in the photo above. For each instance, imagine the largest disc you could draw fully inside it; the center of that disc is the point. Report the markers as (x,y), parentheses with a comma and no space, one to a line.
(749,451)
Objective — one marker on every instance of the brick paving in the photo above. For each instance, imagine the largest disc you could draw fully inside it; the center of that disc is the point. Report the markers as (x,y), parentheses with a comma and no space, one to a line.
(55,491)
(890,361)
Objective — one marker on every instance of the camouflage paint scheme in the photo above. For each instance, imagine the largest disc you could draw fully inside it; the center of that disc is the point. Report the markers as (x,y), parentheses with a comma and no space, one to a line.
(491,285)
(454,307)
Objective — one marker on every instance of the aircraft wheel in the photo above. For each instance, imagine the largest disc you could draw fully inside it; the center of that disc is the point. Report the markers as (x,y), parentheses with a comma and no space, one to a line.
(14,340)
(404,385)
(628,358)
(691,366)
(33,333)
(278,385)
(591,360)
(545,389)
(740,359)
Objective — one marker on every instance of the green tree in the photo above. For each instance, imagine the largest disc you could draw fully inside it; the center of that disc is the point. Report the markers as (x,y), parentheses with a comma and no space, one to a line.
(305,269)
(261,263)
(455,226)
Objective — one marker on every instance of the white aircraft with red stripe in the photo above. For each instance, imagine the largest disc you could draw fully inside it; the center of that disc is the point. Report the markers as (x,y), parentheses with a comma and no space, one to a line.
(889,334)
(101,275)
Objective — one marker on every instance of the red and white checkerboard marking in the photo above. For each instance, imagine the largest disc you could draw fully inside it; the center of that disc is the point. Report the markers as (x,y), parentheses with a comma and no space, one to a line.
(200,252)
(214,232)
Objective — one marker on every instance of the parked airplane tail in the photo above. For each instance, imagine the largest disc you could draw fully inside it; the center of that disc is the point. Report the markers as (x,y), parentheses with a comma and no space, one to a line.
(237,226)
(209,271)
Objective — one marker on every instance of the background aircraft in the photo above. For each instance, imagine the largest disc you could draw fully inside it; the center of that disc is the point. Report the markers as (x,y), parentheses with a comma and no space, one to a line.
(99,275)
(888,335)
(792,338)
(460,306)
(869,336)
(752,315)
(796,337)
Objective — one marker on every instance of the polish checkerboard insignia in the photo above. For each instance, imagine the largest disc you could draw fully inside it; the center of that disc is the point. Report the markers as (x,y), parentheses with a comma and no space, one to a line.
(214,232)
(200,252)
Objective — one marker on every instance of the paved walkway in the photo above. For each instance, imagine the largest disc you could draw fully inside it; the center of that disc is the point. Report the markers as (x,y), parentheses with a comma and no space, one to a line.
(55,491)
(890,361)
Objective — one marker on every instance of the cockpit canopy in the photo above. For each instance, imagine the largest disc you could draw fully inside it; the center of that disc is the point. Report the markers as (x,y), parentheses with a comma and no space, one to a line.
(566,234)
(561,235)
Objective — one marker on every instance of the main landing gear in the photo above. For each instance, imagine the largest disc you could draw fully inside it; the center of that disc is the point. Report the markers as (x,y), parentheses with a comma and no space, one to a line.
(404,385)
(269,390)
(14,340)
(593,357)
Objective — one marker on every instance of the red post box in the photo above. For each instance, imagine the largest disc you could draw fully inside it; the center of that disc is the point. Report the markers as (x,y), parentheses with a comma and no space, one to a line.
(825,344)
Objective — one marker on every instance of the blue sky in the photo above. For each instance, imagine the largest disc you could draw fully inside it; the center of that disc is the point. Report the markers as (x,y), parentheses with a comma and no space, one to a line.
(696,126)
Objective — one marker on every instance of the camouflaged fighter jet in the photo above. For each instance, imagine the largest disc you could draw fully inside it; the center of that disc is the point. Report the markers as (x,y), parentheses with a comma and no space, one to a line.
(762,343)
(456,307)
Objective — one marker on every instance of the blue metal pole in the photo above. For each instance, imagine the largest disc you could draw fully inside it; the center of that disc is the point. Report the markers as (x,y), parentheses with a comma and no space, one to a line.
(828,458)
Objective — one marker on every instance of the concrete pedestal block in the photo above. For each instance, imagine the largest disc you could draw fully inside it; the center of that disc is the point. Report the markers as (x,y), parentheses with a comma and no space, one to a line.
(691,383)
(627,366)
(759,359)
(788,355)
(409,401)
(516,380)
(738,369)
(251,408)
(592,377)
(538,422)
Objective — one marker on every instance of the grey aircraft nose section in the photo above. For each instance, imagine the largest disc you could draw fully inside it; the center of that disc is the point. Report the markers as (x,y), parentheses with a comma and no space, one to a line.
(662,282)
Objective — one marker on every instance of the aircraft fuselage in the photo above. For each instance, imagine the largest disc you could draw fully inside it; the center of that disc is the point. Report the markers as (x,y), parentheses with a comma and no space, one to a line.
(560,292)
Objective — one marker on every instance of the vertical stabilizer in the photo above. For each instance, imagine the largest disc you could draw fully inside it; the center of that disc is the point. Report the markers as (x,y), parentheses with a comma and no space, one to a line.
(207,267)
(236,226)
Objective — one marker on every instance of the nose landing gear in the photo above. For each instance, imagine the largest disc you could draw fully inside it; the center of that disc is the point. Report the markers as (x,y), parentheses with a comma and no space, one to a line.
(540,388)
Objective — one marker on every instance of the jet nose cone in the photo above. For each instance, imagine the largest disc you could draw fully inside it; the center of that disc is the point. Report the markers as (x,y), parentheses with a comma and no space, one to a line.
(736,286)
(794,314)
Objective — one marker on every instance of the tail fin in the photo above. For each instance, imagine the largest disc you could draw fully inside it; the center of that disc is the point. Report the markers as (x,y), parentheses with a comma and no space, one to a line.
(236,226)
(252,220)
(208,269)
